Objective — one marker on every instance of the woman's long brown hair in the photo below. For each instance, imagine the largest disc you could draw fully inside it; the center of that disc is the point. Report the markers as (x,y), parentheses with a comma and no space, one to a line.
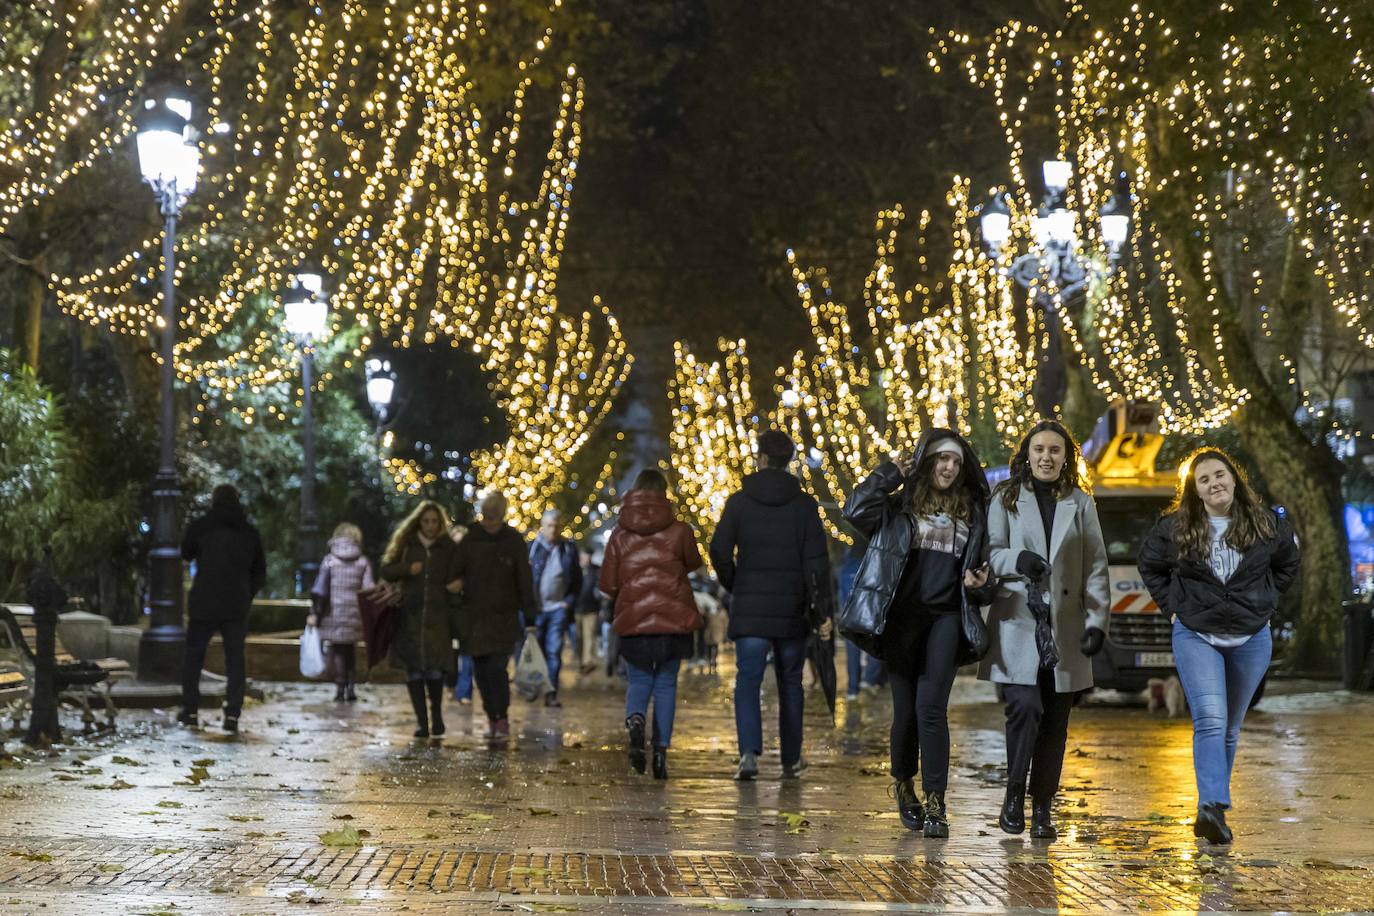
(1251,520)
(404,531)
(926,499)
(1009,490)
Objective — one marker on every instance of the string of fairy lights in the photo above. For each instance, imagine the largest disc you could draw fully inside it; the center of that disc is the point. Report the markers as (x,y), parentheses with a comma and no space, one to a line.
(713,428)
(349,134)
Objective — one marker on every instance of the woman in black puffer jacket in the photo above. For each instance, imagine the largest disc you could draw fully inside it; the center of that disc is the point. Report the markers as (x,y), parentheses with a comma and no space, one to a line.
(916,599)
(1216,563)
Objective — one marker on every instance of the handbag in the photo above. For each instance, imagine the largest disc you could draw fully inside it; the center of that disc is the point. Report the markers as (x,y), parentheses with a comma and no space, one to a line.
(380,609)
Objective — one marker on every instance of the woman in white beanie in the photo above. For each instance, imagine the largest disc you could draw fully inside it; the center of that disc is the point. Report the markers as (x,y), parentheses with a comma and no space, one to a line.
(916,602)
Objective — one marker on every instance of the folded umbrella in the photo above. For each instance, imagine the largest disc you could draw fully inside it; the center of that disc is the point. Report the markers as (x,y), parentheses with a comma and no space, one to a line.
(821,654)
(1038,600)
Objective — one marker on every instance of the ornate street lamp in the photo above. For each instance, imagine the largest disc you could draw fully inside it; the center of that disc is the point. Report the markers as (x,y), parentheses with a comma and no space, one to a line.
(169,159)
(1055,268)
(307,320)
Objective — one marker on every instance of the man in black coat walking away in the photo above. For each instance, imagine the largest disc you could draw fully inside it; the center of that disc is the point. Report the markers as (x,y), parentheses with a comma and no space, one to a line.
(769,552)
(230,569)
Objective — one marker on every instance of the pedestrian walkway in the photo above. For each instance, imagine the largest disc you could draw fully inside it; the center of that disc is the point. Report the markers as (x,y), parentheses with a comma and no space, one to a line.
(336,805)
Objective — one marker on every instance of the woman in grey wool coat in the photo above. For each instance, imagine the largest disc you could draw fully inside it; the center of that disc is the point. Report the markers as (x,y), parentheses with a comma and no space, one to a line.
(1048,617)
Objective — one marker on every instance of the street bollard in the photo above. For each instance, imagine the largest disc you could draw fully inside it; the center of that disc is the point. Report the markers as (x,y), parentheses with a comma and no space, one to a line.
(1357,662)
(47,597)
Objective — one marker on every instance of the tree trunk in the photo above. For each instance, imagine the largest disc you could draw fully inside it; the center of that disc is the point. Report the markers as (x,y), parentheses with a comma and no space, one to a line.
(1303,476)
(34,243)
(28,311)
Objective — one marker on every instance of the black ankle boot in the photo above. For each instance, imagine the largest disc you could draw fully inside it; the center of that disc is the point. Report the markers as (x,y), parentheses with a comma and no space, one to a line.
(635,726)
(1013,816)
(660,762)
(937,823)
(908,805)
(416,689)
(436,706)
(350,694)
(1042,825)
(338,693)
(1211,824)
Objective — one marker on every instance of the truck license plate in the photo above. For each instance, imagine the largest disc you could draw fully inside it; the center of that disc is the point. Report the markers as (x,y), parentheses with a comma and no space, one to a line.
(1154,659)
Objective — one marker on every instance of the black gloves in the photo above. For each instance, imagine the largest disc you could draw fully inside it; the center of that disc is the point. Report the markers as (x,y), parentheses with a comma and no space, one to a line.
(1031,565)
(1092,641)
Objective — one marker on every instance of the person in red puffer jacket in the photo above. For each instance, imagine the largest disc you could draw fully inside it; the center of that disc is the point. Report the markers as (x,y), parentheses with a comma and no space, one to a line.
(648,558)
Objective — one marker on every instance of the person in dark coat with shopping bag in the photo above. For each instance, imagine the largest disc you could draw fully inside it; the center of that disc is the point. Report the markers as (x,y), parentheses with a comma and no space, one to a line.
(770,552)
(648,559)
(916,602)
(230,569)
(1046,542)
(422,559)
(494,565)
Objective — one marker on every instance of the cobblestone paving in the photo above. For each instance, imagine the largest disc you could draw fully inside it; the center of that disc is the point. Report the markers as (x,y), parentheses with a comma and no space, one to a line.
(336,807)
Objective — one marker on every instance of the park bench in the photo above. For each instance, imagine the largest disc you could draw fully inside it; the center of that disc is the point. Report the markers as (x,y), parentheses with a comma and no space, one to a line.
(77,680)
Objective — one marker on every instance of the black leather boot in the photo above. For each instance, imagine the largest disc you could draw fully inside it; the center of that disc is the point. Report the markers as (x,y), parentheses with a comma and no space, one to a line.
(1013,816)
(416,689)
(1211,824)
(1042,825)
(908,805)
(436,706)
(635,726)
(937,823)
(660,762)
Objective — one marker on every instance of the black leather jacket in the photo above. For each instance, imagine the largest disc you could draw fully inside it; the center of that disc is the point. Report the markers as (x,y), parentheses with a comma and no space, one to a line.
(874,510)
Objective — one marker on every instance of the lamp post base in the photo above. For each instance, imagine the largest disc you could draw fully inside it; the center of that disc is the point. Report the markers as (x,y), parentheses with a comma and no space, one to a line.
(161,653)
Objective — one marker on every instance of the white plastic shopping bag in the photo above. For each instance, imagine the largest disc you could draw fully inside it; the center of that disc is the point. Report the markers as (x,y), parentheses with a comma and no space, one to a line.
(532,671)
(312,653)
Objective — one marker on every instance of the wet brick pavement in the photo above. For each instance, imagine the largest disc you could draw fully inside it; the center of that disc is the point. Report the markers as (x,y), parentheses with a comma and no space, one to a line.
(158,819)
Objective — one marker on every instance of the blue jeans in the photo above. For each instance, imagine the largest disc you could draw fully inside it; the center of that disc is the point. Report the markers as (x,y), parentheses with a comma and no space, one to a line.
(463,689)
(789,657)
(1219,684)
(552,626)
(863,669)
(660,682)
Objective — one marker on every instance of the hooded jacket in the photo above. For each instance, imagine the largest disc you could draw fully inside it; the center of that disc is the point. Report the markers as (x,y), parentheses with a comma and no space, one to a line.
(230,564)
(648,559)
(769,552)
(344,572)
(876,509)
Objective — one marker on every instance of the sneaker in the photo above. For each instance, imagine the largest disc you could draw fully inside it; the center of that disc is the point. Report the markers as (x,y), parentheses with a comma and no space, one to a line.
(748,767)
(794,770)
(465,701)
(501,729)
(188,718)
(551,700)
(231,725)
(852,695)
